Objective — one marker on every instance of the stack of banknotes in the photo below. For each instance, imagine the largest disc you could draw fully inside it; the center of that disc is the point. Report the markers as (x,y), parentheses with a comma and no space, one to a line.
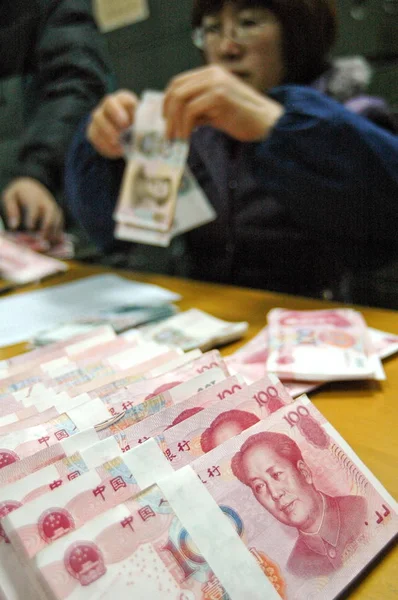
(159,197)
(63,246)
(186,330)
(120,318)
(132,469)
(19,264)
(309,348)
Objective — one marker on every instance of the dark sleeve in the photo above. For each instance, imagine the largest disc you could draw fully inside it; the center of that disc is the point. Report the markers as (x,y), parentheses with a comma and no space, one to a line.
(92,186)
(71,77)
(336,172)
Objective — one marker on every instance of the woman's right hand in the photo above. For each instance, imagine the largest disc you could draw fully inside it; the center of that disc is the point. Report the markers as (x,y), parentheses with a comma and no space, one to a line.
(109,119)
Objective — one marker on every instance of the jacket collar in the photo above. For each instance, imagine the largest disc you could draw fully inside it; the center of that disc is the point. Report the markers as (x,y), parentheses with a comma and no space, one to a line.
(329,531)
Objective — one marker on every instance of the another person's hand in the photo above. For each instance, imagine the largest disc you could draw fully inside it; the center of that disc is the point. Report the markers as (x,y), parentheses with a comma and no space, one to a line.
(28,203)
(110,118)
(213,96)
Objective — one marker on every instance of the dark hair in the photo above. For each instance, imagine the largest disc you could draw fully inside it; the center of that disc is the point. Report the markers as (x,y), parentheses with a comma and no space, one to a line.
(242,418)
(309,31)
(280,443)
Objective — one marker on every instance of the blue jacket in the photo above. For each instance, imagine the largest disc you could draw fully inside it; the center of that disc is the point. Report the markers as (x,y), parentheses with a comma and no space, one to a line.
(299,212)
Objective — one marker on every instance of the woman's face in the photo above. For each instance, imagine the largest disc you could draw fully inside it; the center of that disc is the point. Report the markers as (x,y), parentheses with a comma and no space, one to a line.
(257,56)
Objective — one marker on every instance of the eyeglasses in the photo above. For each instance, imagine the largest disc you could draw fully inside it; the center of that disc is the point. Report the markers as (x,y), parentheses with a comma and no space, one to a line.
(243,32)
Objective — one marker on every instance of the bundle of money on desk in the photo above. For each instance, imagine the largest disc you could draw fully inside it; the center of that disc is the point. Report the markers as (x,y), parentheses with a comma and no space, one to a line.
(309,348)
(62,247)
(19,264)
(129,468)
(159,198)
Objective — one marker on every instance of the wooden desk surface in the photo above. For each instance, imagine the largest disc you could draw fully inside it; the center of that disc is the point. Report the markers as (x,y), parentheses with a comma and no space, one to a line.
(364,413)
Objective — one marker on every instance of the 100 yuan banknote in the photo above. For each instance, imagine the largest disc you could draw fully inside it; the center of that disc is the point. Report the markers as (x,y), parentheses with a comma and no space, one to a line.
(13,584)
(130,412)
(319,345)
(305,504)
(202,432)
(22,444)
(177,413)
(26,361)
(47,518)
(22,265)
(133,550)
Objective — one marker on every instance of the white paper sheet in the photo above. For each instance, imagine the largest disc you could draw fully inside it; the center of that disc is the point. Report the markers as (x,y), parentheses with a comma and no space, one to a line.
(24,315)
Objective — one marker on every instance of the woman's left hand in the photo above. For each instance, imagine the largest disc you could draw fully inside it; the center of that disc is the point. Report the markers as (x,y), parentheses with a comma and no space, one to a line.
(213,96)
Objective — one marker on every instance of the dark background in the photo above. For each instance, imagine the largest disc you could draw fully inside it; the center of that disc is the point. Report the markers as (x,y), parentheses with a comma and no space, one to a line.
(147,54)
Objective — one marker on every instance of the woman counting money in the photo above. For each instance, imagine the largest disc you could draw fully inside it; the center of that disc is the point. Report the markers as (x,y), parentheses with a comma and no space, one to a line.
(305,189)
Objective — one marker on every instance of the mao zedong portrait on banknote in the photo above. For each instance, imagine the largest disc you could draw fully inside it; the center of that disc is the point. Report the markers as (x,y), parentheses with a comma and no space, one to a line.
(225,426)
(271,464)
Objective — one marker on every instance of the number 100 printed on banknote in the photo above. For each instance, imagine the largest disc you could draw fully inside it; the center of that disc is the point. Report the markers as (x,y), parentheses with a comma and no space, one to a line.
(306,505)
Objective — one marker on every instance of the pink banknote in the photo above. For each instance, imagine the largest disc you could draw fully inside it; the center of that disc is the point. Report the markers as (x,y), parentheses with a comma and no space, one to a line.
(385,344)
(63,427)
(324,345)
(67,508)
(161,365)
(81,371)
(213,426)
(144,549)
(22,265)
(46,454)
(20,414)
(145,389)
(96,413)
(62,247)
(69,347)
(10,404)
(126,549)
(34,419)
(94,353)
(171,393)
(250,360)
(175,414)
(13,585)
(123,377)
(134,411)
(255,351)
(18,409)
(14,495)
(183,359)
(40,412)
(252,372)
(24,379)
(21,444)
(80,374)
(305,504)
(198,432)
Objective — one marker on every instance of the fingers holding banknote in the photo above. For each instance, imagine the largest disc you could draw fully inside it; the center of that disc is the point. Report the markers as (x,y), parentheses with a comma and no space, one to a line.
(214,96)
(110,118)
